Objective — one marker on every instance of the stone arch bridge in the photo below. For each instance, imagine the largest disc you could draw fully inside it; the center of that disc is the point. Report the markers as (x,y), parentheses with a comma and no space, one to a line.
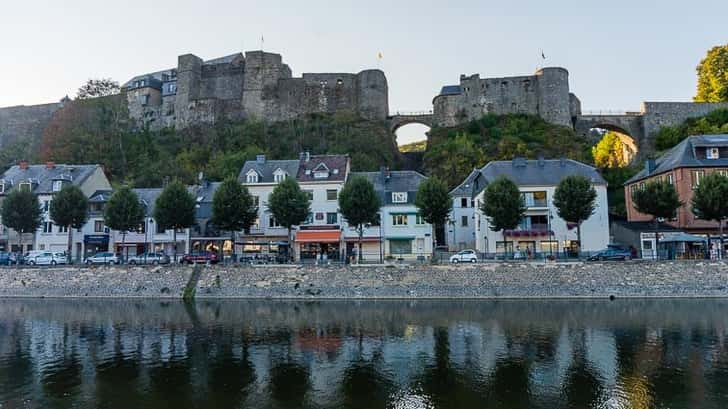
(401,119)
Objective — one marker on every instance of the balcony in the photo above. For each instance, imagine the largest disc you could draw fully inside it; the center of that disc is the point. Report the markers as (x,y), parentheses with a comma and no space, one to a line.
(536,203)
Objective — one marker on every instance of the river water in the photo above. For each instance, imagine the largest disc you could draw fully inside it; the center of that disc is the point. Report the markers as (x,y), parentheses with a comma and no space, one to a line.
(366,354)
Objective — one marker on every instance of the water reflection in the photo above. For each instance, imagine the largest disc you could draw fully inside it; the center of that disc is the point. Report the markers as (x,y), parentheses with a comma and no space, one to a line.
(384,354)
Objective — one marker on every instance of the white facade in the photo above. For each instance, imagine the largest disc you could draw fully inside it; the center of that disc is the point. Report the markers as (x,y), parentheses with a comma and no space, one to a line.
(150,238)
(460,229)
(543,217)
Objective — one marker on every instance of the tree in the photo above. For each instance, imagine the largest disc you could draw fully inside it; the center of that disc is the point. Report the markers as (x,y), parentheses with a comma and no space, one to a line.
(503,205)
(233,208)
(69,208)
(609,152)
(175,209)
(123,212)
(95,88)
(359,203)
(713,76)
(22,213)
(289,205)
(574,200)
(710,202)
(434,202)
(658,199)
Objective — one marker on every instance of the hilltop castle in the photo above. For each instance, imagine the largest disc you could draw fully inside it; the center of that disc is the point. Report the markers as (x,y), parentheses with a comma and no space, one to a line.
(255,85)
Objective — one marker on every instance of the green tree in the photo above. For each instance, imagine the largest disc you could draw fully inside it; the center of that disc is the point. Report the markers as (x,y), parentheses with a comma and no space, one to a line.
(658,199)
(289,205)
(95,88)
(69,208)
(710,201)
(609,152)
(123,212)
(575,201)
(22,213)
(713,76)
(434,202)
(175,209)
(359,203)
(233,208)
(503,205)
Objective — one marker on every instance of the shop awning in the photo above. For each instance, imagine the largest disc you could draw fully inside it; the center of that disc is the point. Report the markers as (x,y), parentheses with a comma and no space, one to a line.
(318,236)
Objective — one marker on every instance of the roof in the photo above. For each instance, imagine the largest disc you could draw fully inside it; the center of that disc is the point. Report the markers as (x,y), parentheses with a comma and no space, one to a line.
(536,172)
(265,169)
(336,165)
(682,155)
(224,60)
(100,196)
(42,176)
(450,90)
(386,181)
(466,188)
(156,76)
(148,197)
(681,237)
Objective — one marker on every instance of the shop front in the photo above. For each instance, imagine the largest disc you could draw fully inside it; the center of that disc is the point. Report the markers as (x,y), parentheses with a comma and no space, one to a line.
(319,245)
(95,243)
(372,249)
(528,244)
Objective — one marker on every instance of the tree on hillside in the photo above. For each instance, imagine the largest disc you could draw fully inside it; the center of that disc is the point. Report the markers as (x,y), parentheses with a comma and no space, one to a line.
(658,199)
(289,205)
(503,205)
(575,201)
(710,201)
(175,209)
(434,202)
(69,208)
(95,88)
(713,76)
(359,203)
(21,212)
(123,212)
(233,208)
(609,152)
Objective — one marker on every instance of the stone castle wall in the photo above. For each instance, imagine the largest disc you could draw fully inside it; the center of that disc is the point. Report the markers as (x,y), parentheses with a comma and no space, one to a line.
(25,121)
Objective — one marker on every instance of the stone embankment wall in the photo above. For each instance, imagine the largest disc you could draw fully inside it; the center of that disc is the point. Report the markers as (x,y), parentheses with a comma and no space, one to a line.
(496,280)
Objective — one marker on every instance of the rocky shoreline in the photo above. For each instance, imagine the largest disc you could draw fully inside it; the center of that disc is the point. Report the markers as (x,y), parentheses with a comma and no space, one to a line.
(488,280)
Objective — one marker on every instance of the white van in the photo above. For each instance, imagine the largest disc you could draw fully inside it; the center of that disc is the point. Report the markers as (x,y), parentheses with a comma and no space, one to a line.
(48,258)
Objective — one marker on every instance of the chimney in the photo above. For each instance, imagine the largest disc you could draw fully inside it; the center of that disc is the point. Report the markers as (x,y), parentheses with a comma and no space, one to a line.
(650,166)
(50,164)
(260,159)
(23,164)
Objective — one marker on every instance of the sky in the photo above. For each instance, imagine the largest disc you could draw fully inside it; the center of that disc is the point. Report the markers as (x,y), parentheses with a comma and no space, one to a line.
(618,53)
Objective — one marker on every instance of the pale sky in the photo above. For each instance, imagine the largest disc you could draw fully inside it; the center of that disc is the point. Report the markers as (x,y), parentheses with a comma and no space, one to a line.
(618,53)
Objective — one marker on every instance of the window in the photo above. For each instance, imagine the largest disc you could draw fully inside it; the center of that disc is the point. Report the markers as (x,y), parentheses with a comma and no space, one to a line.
(62,229)
(331,194)
(464,221)
(535,199)
(251,177)
(279,175)
(309,193)
(723,172)
(25,187)
(144,100)
(697,176)
(670,179)
(160,229)
(331,218)
(550,247)
(57,185)
(141,228)
(47,227)
(464,202)
(399,219)
(320,174)
(399,197)
(2,187)
(46,205)
(173,88)
(309,219)
(98,226)
(712,153)
(400,247)
(419,219)
(256,201)
(272,222)
(642,186)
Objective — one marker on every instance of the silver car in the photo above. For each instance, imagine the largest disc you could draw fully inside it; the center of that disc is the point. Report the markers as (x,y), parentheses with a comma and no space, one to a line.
(105,257)
(48,258)
(148,258)
(464,256)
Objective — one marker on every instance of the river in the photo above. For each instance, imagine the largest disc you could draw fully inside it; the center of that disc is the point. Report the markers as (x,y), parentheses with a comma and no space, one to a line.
(60,353)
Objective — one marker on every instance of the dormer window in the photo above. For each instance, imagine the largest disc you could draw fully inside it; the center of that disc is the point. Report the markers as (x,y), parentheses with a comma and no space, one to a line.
(57,185)
(25,186)
(279,175)
(713,153)
(251,176)
(399,197)
(320,172)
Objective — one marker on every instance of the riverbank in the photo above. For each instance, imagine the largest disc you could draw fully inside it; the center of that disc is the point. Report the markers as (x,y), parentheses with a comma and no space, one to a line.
(491,280)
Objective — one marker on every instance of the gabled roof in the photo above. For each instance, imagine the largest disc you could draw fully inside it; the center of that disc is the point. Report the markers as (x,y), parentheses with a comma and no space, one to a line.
(385,182)
(682,155)
(266,168)
(148,197)
(43,176)
(466,188)
(538,172)
(337,165)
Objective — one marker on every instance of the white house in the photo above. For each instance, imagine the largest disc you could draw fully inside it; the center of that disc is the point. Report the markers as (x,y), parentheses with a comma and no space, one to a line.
(45,181)
(460,229)
(401,233)
(541,231)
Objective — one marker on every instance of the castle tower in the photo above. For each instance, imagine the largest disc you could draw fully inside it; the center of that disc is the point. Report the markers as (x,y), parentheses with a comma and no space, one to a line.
(189,75)
(373,95)
(553,95)
(262,72)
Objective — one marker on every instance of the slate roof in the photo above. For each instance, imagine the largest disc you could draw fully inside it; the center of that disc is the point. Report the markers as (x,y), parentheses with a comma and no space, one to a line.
(337,165)
(204,193)
(42,176)
(223,60)
(100,196)
(466,188)
(536,172)
(148,197)
(155,77)
(450,90)
(682,155)
(398,181)
(266,168)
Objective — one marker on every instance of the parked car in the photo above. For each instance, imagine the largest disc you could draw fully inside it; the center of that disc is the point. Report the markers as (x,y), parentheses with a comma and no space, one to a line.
(48,258)
(104,257)
(464,256)
(612,253)
(31,255)
(7,259)
(148,258)
(207,257)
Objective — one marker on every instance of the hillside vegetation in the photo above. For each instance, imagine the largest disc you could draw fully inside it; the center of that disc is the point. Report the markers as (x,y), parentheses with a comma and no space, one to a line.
(715,122)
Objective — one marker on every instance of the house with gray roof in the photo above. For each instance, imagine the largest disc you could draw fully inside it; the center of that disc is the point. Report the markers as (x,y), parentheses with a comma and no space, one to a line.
(541,231)
(460,230)
(45,180)
(401,233)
